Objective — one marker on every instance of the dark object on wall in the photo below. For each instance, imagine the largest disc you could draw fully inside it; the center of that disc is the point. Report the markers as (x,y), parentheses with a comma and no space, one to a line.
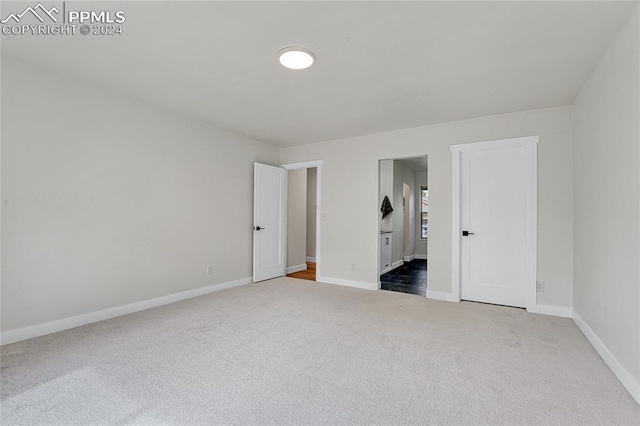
(386,207)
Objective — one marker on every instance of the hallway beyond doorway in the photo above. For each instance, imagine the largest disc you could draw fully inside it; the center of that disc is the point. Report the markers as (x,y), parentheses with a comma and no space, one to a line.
(307,274)
(410,278)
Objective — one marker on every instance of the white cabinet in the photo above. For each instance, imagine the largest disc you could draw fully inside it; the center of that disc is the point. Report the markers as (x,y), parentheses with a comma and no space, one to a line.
(385,251)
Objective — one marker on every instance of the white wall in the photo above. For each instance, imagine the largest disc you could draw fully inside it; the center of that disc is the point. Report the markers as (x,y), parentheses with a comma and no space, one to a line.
(296,218)
(606,151)
(420,244)
(350,206)
(111,201)
(312,206)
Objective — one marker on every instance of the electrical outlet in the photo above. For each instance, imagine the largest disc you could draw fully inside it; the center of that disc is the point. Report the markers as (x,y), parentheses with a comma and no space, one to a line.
(540,286)
(210,270)
(353,266)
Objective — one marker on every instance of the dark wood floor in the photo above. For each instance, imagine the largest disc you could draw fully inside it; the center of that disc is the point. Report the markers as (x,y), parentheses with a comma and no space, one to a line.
(308,274)
(410,278)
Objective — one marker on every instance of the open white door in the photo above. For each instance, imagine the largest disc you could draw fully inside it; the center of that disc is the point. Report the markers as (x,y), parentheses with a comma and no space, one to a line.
(269,216)
(498,222)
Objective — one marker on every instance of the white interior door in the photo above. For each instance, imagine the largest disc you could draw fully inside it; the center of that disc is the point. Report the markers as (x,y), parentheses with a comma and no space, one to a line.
(269,218)
(497,219)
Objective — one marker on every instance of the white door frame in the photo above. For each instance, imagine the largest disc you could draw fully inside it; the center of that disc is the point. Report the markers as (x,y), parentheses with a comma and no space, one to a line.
(406,224)
(309,165)
(532,210)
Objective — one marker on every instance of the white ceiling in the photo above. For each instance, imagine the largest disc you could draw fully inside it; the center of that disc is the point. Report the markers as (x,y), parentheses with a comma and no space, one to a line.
(380,65)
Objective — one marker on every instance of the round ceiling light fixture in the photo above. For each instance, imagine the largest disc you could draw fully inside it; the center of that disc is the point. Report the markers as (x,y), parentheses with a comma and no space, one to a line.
(296,58)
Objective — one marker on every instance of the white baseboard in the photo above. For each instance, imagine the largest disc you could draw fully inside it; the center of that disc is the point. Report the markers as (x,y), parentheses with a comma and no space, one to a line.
(311,259)
(627,380)
(409,258)
(441,295)
(297,268)
(556,311)
(420,256)
(348,283)
(30,332)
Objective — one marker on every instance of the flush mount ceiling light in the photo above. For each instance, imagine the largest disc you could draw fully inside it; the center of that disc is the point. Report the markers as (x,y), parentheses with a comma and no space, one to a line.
(296,58)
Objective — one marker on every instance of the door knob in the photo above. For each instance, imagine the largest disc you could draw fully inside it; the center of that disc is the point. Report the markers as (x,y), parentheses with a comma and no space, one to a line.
(467,233)
(258,228)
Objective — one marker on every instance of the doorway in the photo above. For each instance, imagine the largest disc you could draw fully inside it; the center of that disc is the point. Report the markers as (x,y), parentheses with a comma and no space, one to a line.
(495,221)
(303,227)
(403,245)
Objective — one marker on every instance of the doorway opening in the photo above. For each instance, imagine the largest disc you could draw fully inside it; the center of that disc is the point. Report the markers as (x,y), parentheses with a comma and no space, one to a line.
(303,228)
(403,224)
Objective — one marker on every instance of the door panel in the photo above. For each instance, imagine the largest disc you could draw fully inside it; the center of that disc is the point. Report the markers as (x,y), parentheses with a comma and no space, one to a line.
(493,203)
(269,209)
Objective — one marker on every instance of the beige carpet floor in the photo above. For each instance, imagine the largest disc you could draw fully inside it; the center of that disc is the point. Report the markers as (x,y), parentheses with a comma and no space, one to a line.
(290,351)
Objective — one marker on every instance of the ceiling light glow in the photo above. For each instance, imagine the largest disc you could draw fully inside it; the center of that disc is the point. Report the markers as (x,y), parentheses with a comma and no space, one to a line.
(296,58)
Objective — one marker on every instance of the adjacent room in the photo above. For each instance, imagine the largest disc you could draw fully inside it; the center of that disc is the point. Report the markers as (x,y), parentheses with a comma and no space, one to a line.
(358,212)
(404,230)
(301,223)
